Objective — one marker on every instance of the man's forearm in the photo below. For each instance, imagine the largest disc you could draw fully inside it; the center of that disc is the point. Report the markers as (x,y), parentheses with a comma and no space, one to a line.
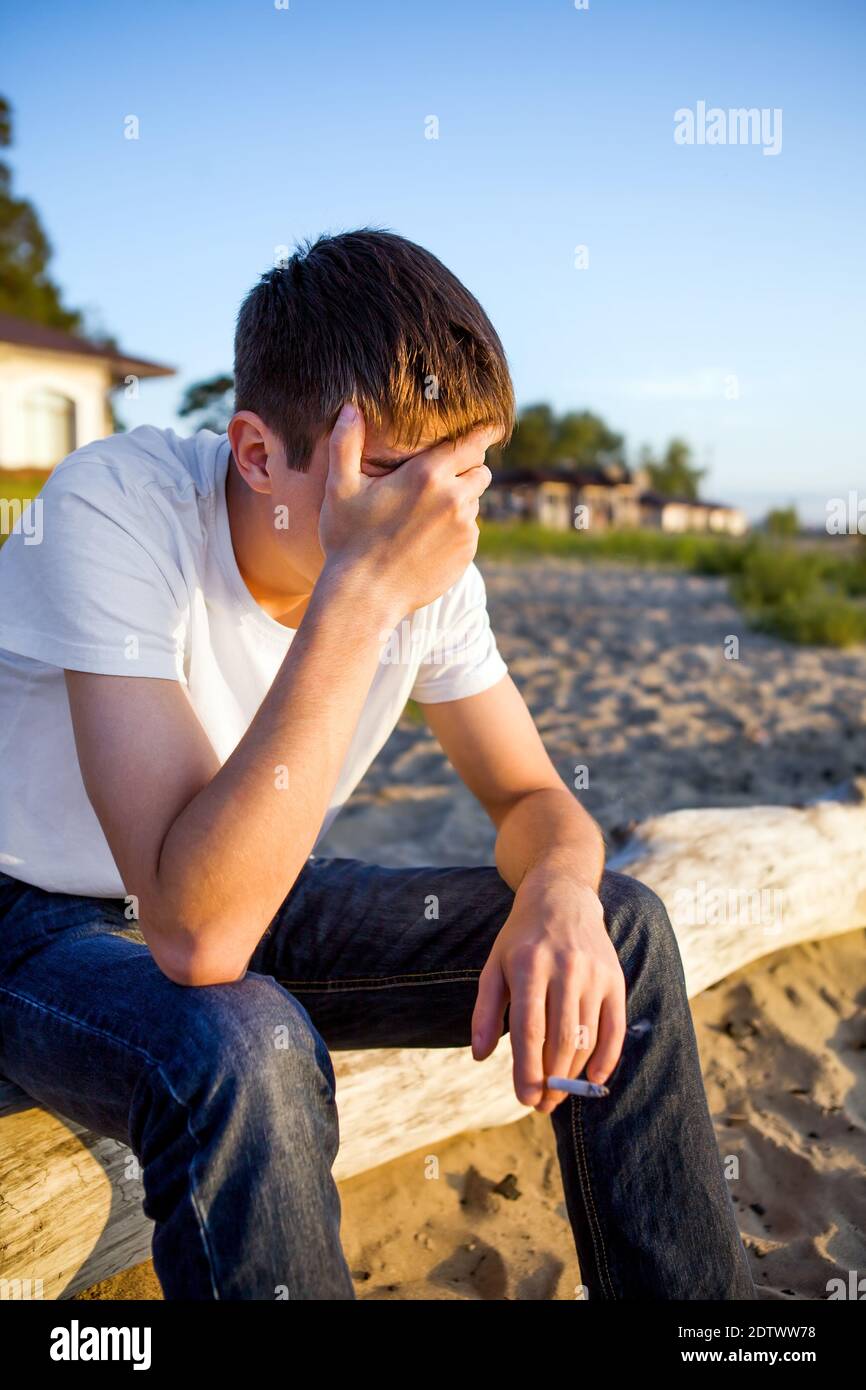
(548,832)
(232,855)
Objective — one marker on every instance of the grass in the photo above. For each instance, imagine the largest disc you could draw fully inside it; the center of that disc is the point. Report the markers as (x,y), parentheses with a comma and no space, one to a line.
(804,592)
(527,540)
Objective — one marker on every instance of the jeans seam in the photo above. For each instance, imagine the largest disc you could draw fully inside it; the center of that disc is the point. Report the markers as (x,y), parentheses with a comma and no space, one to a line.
(157,1065)
(589,1200)
(80,1023)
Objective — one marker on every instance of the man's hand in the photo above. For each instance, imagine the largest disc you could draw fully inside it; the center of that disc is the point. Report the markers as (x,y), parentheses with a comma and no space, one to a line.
(554,964)
(414,532)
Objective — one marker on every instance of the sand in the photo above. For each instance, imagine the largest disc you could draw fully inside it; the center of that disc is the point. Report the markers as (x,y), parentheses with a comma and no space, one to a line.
(626,674)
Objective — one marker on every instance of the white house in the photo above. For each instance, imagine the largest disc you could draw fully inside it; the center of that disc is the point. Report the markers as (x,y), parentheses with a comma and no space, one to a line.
(54,391)
(611,498)
(682,514)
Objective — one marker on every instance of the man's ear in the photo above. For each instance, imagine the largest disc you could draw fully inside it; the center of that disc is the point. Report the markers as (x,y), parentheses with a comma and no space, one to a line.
(257,450)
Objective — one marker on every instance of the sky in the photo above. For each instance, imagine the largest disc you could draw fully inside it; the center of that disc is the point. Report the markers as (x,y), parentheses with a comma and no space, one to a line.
(719,295)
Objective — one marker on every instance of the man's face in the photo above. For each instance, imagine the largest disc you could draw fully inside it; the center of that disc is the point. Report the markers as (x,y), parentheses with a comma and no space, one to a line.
(302,494)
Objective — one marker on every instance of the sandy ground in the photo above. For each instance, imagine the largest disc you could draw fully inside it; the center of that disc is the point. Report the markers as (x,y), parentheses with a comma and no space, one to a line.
(625,673)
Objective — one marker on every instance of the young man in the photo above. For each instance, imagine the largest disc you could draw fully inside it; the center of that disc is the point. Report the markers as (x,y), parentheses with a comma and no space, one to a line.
(191,684)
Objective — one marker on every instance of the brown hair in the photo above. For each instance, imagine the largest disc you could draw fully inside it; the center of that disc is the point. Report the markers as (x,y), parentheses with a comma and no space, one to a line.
(370,317)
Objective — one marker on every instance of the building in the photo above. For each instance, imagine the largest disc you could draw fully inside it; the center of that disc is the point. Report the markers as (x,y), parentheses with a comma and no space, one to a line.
(679,514)
(609,497)
(54,391)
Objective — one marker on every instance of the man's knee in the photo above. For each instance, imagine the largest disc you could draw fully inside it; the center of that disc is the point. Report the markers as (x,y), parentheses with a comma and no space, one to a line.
(252,1035)
(638,922)
(248,1089)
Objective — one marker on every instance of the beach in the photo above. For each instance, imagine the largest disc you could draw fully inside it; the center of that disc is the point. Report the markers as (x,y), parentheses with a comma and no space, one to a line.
(625,672)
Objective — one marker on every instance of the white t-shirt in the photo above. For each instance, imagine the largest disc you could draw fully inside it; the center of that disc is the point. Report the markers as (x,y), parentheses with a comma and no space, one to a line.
(126,567)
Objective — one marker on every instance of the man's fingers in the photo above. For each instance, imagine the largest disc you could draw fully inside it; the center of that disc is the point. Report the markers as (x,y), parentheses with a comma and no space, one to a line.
(563,1033)
(584,1043)
(345,447)
(453,459)
(590,1010)
(611,1037)
(471,484)
(488,1017)
(476,444)
(526,1023)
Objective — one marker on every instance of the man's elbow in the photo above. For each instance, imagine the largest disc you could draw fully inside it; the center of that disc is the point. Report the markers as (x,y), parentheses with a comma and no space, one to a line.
(194,974)
(193,964)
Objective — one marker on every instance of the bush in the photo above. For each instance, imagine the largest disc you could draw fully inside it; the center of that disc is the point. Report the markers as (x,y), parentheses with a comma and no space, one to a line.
(820,618)
(844,568)
(774,574)
(802,595)
(782,521)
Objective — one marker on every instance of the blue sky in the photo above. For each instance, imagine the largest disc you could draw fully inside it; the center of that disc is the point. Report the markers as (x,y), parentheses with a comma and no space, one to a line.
(724,295)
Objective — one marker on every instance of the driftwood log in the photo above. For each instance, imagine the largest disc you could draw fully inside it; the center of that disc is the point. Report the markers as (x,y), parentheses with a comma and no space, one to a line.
(737,883)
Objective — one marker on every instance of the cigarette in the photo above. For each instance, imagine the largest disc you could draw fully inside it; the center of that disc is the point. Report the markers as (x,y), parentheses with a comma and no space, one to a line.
(590,1089)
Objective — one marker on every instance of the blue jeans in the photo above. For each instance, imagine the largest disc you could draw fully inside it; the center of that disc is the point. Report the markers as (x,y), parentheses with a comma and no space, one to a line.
(237,1133)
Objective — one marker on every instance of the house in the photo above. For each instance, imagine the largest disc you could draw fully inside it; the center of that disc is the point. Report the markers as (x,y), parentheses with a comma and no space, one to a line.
(678,514)
(54,391)
(609,497)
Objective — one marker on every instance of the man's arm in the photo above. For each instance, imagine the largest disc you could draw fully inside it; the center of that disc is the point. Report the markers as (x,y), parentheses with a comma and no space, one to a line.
(211,851)
(553,961)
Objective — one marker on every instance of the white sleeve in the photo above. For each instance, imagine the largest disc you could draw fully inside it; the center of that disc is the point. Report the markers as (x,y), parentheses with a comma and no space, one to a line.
(89,582)
(461,656)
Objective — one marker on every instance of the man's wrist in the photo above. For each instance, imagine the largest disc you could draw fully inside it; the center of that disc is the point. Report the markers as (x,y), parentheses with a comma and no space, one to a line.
(373,607)
(558,867)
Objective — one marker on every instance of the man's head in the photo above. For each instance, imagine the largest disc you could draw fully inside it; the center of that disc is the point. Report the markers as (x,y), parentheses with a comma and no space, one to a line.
(370,317)
(367,317)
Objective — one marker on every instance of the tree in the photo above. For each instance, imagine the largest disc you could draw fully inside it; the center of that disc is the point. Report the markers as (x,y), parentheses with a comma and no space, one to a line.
(584,439)
(543,439)
(211,402)
(674,475)
(26,289)
(782,522)
(532,444)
